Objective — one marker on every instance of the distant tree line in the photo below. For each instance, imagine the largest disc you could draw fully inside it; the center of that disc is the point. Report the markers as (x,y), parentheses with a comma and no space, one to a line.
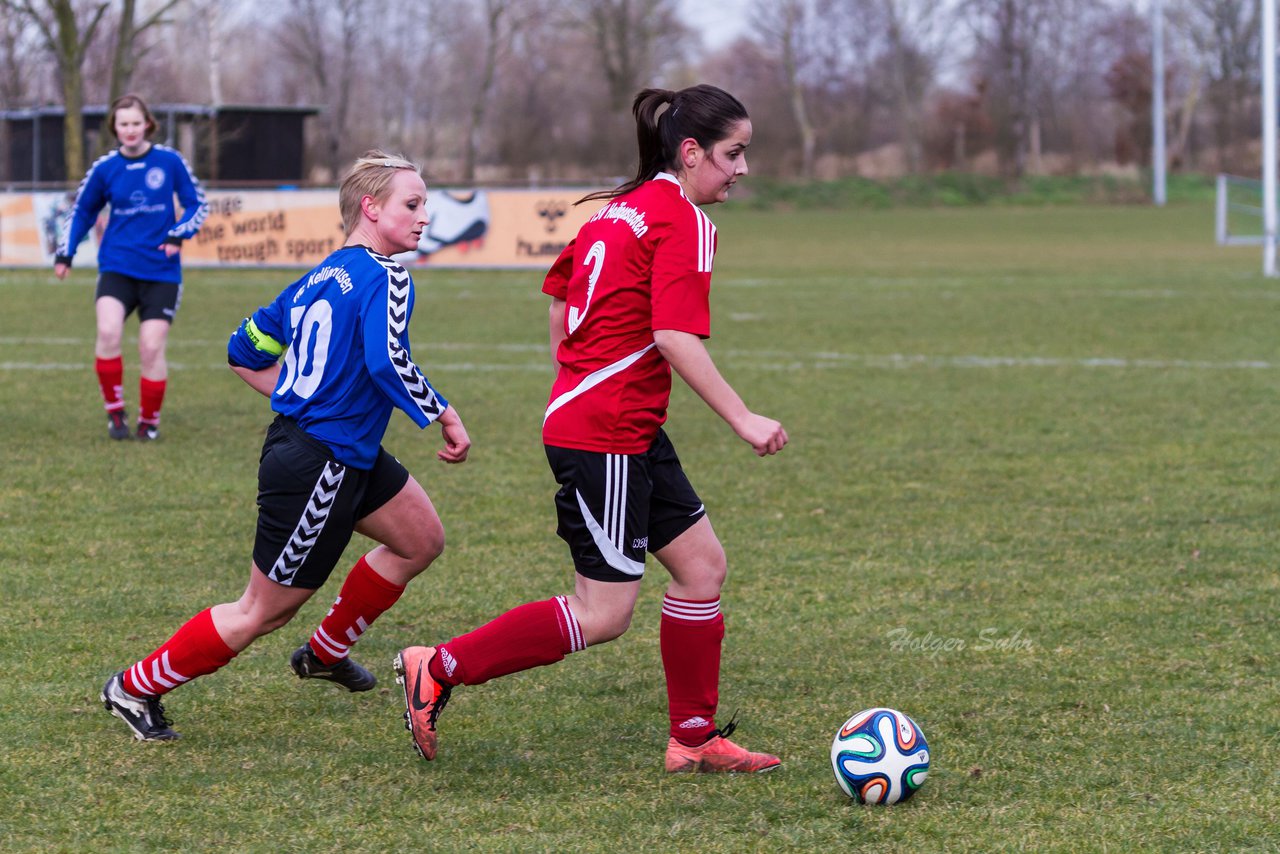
(539,90)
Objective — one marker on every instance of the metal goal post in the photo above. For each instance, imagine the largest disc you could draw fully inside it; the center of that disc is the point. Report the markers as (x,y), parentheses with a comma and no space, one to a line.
(1239,215)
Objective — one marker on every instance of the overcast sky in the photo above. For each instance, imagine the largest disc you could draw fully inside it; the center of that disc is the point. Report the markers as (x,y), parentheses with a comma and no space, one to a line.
(719,21)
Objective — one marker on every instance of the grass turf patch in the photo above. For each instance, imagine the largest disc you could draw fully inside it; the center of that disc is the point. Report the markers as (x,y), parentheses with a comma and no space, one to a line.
(1029,500)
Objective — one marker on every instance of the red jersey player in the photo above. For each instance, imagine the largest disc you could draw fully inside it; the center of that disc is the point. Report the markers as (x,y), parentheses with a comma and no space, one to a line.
(629,302)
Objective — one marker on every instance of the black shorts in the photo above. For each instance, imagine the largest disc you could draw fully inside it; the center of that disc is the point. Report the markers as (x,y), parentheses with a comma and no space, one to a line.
(612,508)
(309,504)
(153,300)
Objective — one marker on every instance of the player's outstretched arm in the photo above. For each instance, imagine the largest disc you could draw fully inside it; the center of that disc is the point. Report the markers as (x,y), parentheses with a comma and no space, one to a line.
(690,359)
(457,444)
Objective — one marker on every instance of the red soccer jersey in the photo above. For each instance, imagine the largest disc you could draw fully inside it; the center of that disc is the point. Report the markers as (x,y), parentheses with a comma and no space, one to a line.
(642,262)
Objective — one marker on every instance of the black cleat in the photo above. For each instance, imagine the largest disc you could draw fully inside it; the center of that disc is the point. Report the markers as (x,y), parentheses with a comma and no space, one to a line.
(144,715)
(116,427)
(148,432)
(346,672)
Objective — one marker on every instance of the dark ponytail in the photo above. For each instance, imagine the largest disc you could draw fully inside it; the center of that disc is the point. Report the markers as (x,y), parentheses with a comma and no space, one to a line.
(664,119)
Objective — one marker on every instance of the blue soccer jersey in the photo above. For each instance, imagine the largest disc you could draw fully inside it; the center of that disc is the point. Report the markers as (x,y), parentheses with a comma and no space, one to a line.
(343,330)
(140,191)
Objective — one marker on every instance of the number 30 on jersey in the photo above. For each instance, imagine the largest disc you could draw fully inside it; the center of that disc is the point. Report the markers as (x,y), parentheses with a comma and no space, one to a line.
(305,359)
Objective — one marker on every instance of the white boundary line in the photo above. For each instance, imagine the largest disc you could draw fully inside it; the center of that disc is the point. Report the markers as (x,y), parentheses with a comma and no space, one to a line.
(27,341)
(432,368)
(788,362)
(901,360)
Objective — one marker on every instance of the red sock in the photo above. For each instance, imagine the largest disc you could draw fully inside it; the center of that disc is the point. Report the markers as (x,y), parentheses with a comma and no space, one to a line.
(525,637)
(150,396)
(196,649)
(364,596)
(111,381)
(691,635)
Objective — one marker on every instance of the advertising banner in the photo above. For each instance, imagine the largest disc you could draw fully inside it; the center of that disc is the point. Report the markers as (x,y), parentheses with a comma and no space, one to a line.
(298,228)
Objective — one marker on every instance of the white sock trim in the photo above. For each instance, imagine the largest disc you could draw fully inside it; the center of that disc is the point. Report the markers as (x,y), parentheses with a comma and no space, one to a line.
(694,612)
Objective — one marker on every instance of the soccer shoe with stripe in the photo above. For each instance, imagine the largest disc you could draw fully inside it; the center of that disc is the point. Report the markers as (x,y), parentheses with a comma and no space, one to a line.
(346,672)
(147,432)
(144,715)
(718,755)
(424,697)
(117,425)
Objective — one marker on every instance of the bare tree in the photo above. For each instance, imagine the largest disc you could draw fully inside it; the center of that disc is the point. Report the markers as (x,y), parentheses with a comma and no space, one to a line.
(17,60)
(66,38)
(222,52)
(633,40)
(911,33)
(896,46)
(1187,78)
(126,53)
(415,46)
(1227,37)
(786,25)
(325,37)
(548,119)
(1008,33)
(1078,117)
(541,88)
(497,37)
(129,49)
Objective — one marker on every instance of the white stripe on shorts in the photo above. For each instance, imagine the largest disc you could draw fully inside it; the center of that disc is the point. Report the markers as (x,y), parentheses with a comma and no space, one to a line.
(608,550)
(615,499)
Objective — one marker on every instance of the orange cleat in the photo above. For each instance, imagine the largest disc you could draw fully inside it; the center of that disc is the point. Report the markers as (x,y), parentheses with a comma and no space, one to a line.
(718,755)
(424,698)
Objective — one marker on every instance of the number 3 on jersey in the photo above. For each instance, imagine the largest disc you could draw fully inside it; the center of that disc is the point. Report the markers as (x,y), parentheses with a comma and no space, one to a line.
(595,259)
(305,359)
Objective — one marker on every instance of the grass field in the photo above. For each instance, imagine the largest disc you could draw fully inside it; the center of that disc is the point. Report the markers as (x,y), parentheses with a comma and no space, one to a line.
(1031,500)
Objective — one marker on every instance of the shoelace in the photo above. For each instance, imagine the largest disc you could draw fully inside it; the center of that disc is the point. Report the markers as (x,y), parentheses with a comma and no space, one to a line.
(442,699)
(315,667)
(726,730)
(157,712)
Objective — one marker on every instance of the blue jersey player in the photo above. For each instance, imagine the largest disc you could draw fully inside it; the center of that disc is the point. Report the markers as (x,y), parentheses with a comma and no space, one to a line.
(332,354)
(138,262)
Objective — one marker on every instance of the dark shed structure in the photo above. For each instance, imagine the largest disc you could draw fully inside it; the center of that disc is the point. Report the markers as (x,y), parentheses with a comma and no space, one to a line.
(226,144)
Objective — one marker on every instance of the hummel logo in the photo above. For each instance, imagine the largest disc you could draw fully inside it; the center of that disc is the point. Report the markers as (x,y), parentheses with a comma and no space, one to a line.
(416,700)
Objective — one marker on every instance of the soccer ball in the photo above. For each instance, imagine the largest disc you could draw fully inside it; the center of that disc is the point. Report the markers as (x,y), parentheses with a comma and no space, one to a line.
(880,757)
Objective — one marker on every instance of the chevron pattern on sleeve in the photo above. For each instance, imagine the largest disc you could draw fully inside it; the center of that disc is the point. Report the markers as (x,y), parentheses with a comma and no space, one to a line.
(415,384)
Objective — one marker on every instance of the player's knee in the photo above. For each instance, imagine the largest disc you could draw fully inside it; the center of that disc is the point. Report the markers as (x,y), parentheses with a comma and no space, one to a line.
(268,625)
(108,339)
(718,577)
(713,569)
(420,549)
(254,622)
(430,550)
(149,352)
(611,628)
(268,621)
(430,542)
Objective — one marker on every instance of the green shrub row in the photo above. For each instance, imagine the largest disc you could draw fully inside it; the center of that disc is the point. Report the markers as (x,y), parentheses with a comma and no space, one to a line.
(956,189)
